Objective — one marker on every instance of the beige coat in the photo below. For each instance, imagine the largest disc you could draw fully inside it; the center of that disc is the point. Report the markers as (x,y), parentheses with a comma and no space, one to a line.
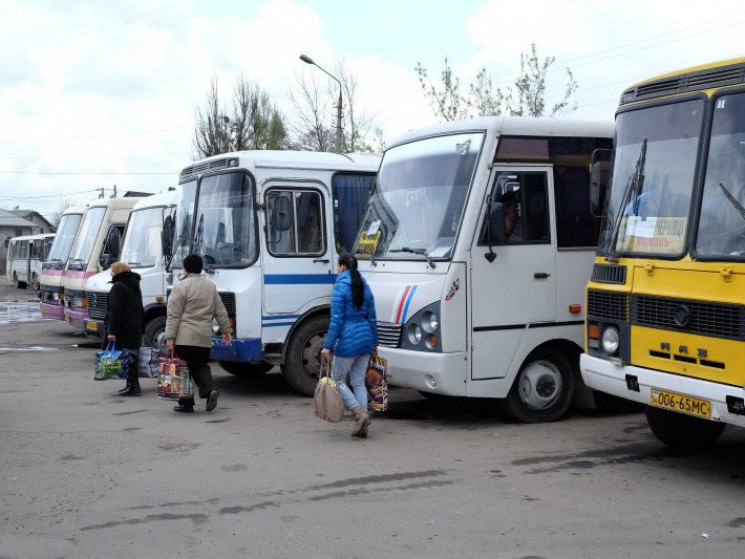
(191,306)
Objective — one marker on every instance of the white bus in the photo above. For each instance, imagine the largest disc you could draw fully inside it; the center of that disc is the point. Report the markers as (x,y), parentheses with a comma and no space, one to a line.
(25,257)
(97,246)
(269,226)
(469,304)
(146,247)
(51,271)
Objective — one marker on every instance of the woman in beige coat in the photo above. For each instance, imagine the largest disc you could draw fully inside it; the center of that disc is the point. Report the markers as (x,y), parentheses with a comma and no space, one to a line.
(192,305)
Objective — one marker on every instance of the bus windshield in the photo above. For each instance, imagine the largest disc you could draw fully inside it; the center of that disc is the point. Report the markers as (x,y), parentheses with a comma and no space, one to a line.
(66,231)
(221,227)
(652,181)
(142,243)
(721,228)
(416,208)
(87,238)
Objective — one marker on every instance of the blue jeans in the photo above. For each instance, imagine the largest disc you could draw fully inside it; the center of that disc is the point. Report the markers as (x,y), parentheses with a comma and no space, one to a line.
(355,367)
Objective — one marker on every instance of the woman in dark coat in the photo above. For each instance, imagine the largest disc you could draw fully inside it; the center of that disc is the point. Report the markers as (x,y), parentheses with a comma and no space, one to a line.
(124,320)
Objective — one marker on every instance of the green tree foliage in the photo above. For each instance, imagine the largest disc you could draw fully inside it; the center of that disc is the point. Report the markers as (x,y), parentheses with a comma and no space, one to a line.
(526,97)
(254,122)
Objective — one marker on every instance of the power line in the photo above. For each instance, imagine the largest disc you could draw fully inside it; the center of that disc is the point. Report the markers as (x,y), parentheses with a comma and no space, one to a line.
(87,173)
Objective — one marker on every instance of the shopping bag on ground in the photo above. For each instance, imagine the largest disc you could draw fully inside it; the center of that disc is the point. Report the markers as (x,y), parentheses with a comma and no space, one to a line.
(111,363)
(174,380)
(377,383)
(148,362)
(327,397)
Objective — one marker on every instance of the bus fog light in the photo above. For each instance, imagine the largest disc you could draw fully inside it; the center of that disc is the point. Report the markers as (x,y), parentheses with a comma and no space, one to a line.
(430,381)
(610,340)
(215,327)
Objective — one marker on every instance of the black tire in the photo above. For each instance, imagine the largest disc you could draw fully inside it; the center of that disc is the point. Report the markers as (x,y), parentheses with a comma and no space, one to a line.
(682,431)
(241,369)
(155,334)
(543,389)
(302,358)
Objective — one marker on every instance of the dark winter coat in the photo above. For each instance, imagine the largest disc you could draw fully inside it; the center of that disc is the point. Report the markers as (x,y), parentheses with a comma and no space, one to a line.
(125,315)
(352,331)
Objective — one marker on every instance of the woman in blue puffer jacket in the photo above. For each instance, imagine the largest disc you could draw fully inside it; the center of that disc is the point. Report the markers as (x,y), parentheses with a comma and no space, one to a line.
(352,337)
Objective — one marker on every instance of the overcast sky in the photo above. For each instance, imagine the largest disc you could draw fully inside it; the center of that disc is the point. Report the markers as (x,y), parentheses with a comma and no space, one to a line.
(95,94)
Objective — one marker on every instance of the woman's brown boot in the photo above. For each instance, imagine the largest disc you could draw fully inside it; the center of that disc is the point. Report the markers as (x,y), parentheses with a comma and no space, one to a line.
(361,421)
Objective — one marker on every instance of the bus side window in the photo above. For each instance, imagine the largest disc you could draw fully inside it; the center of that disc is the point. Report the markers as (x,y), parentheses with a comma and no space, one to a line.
(111,247)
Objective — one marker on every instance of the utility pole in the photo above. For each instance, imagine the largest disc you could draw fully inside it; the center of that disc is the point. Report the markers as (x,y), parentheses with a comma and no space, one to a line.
(101,195)
(114,196)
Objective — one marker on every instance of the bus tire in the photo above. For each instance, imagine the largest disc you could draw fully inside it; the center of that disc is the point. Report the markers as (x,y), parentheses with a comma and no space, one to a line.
(682,431)
(155,334)
(241,369)
(34,282)
(543,389)
(302,362)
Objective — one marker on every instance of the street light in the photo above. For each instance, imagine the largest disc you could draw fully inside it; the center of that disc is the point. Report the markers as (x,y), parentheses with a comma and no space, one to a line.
(309,60)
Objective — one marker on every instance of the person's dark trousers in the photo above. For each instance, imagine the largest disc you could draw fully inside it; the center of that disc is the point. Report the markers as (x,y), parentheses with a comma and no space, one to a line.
(198,360)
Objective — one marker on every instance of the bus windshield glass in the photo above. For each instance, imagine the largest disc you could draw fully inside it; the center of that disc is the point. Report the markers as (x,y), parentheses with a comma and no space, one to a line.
(142,244)
(87,238)
(721,228)
(416,208)
(649,201)
(223,222)
(66,231)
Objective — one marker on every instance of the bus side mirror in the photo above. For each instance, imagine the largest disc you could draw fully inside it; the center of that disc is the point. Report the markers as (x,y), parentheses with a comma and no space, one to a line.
(282,213)
(496,223)
(599,170)
(166,236)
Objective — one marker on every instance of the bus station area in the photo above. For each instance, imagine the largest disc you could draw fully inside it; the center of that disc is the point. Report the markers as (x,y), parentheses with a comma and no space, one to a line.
(85,473)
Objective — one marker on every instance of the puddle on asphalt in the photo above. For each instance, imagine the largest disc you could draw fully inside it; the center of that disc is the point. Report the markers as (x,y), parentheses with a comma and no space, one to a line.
(29,348)
(20,312)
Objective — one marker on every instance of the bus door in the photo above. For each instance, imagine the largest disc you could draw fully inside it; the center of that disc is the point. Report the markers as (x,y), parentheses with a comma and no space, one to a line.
(513,283)
(298,257)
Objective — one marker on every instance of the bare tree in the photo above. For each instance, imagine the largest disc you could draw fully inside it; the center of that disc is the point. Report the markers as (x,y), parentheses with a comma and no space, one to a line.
(255,123)
(527,96)
(315,114)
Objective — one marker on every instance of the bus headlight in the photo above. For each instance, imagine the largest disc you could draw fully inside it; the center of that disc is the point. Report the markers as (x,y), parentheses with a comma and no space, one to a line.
(215,328)
(430,322)
(609,340)
(414,333)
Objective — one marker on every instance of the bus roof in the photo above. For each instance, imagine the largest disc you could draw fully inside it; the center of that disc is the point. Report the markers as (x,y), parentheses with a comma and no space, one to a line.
(728,72)
(285,159)
(116,203)
(162,199)
(513,126)
(72,210)
(33,237)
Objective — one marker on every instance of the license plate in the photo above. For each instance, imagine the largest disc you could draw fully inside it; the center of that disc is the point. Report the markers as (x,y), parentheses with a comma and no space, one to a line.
(44,310)
(93,326)
(680,403)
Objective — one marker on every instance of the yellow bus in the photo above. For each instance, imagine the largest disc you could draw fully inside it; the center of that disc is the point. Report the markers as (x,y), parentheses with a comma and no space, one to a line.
(665,322)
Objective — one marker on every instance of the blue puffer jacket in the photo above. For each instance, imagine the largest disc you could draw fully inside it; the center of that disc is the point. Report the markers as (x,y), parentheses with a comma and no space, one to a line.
(352,331)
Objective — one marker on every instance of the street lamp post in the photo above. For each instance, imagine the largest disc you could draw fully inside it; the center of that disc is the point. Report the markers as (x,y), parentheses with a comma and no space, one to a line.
(309,60)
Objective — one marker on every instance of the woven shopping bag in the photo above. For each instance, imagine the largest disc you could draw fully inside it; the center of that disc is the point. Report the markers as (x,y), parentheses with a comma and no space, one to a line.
(111,363)
(174,380)
(327,397)
(377,383)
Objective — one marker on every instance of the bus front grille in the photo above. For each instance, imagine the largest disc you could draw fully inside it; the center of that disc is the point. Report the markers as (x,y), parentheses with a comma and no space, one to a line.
(97,305)
(389,334)
(607,305)
(609,273)
(720,320)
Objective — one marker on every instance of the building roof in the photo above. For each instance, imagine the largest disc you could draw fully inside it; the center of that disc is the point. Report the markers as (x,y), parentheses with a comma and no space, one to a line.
(9,219)
(30,214)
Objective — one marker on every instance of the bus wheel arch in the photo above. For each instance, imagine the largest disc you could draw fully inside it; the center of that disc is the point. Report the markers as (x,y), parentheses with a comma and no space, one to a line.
(544,387)
(682,431)
(301,363)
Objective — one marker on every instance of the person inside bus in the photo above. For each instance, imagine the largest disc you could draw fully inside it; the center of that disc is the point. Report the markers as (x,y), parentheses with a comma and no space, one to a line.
(124,320)
(510,209)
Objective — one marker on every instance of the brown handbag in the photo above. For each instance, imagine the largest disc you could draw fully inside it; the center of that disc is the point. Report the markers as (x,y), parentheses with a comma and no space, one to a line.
(327,397)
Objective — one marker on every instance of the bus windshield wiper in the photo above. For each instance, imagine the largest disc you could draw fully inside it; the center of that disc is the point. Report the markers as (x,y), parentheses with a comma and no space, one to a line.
(631,194)
(421,251)
(732,200)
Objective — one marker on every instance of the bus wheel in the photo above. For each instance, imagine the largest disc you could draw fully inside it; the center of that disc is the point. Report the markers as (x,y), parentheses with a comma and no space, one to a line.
(302,360)
(543,389)
(682,431)
(35,282)
(241,369)
(155,334)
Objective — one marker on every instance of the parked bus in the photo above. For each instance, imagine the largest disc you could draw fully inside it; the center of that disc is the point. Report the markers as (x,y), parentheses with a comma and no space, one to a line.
(477,241)
(665,308)
(51,271)
(146,247)
(269,226)
(25,257)
(97,246)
